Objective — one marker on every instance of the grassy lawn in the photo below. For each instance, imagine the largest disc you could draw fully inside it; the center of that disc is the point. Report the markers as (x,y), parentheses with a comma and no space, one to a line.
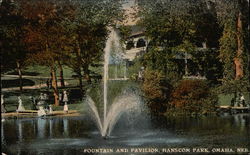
(41,75)
(225,100)
(96,89)
(43,71)
(115,89)
(39,72)
(77,106)
(11,99)
(117,71)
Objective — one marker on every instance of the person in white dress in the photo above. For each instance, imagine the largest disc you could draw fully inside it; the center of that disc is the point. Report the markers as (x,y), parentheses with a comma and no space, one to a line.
(20,105)
(41,100)
(65,100)
(50,109)
(41,112)
(3,110)
(242,100)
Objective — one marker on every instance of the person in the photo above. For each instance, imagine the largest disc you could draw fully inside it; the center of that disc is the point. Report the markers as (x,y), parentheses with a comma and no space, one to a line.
(60,98)
(65,97)
(65,107)
(33,101)
(232,102)
(41,112)
(140,75)
(20,105)
(41,99)
(3,110)
(50,108)
(46,98)
(50,83)
(242,100)
(65,100)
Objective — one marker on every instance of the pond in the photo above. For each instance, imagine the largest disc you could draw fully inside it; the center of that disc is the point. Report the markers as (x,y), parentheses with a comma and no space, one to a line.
(79,135)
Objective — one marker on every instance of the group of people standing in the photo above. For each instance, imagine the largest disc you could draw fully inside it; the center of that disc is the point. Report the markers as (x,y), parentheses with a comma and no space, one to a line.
(238,101)
(41,103)
(43,106)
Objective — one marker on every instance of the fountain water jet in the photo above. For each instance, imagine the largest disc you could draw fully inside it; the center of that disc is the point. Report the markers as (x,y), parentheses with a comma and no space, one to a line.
(124,103)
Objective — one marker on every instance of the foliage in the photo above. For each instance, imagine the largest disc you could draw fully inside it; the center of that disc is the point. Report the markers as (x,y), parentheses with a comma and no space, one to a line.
(87,32)
(228,49)
(233,86)
(156,90)
(175,28)
(234,40)
(163,61)
(207,63)
(11,34)
(133,68)
(193,96)
(170,23)
(151,85)
(125,31)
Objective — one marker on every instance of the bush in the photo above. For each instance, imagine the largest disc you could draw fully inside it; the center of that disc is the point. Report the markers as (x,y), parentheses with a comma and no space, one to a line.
(151,85)
(156,90)
(193,96)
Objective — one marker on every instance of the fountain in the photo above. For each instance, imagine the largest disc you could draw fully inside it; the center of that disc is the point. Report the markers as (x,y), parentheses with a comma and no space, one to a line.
(127,102)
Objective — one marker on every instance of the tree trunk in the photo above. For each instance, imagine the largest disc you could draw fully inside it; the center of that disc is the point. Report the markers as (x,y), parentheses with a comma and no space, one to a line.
(61,75)
(78,69)
(86,74)
(238,61)
(79,73)
(20,75)
(54,86)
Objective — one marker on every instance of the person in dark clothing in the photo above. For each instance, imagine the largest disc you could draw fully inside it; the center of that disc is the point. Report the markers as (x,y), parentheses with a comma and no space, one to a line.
(47,84)
(232,102)
(33,101)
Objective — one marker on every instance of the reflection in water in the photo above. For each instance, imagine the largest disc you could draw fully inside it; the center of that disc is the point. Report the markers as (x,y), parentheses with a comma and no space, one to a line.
(20,131)
(71,135)
(41,127)
(240,120)
(51,128)
(2,133)
(65,127)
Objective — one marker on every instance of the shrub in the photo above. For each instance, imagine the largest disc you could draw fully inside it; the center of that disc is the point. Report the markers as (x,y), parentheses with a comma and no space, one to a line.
(156,90)
(193,96)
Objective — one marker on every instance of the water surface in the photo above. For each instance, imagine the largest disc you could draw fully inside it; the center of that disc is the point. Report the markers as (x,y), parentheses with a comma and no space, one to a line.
(75,135)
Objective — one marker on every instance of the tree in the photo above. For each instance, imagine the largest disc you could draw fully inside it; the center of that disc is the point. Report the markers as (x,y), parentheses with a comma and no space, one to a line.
(13,51)
(193,96)
(178,27)
(181,33)
(234,40)
(87,33)
(156,91)
(41,35)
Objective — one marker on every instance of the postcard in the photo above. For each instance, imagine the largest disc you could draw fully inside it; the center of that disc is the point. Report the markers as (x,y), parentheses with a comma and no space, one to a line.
(125,77)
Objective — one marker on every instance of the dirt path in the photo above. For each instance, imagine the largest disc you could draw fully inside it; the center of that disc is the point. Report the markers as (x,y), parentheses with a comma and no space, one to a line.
(38,86)
(30,76)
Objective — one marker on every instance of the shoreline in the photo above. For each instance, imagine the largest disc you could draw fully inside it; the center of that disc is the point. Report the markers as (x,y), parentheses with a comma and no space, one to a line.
(15,115)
